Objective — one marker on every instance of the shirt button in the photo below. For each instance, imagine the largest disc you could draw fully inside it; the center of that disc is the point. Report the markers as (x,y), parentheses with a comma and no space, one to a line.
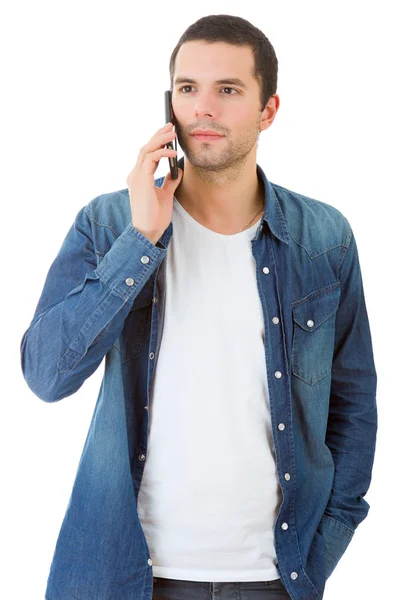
(149,562)
(281,426)
(145,260)
(155,299)
(275,320)
(310,323)
(294,575)
(284,526)
(142,457)
(287,476)
(151,355)
(278,374)
(265,270)
(129,281)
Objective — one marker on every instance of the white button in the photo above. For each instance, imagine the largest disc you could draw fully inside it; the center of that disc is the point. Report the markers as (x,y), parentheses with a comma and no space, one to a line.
(287,476)
(142,457)
(310,323)
(284,526)
(145,260)
(265,270)
(150,562)
(146,407)
(281,426)
(154,299)
(151,355)
(275,320)
(129,281)
(294,575)
(278,374)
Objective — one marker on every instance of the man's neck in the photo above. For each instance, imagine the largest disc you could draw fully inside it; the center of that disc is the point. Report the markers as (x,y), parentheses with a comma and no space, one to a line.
(224,209)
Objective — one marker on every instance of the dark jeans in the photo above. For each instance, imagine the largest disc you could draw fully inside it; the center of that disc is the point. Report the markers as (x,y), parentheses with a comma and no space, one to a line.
(177,589)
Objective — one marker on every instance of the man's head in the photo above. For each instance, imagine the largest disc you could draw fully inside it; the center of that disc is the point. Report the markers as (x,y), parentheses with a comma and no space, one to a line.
(221,47)
(237,32)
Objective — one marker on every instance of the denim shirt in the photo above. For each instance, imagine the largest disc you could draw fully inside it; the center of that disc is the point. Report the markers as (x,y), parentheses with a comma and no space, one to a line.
(103,298)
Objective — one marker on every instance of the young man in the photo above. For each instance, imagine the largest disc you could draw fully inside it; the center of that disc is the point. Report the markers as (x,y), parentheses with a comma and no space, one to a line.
(239,466)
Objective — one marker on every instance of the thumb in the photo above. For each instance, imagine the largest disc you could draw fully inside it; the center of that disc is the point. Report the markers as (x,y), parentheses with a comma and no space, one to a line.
(170,184)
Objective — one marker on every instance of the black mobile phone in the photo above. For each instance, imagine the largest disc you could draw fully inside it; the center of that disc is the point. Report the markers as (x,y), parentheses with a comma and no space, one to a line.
(169,118)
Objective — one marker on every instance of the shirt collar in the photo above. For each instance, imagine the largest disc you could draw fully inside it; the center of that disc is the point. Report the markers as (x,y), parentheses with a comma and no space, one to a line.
(273,214)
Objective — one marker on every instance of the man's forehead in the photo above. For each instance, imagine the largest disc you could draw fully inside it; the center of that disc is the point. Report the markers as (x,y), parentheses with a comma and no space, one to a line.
(227,61)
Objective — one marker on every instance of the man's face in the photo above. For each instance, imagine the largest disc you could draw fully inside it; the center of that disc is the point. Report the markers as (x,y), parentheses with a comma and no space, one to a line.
(227,108)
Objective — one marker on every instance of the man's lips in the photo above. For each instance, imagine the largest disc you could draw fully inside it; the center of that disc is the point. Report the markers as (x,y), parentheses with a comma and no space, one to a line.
(206,137)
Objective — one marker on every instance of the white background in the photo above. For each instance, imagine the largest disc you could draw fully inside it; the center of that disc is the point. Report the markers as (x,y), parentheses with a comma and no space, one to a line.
(82,92)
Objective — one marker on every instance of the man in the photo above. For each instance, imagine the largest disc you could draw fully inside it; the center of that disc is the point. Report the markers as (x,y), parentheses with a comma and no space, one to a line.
(239,466)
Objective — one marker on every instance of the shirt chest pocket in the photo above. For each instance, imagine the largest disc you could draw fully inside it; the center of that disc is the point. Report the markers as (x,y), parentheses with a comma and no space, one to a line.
(314,333)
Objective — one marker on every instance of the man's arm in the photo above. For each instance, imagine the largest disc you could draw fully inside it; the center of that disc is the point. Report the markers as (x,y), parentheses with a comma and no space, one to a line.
(82,307)
(352,423)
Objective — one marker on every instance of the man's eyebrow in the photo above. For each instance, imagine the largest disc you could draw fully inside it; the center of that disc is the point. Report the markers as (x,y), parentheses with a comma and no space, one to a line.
(230,81)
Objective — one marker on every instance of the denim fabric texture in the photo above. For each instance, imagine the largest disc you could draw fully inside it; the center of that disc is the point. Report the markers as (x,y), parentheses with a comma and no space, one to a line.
(99,301)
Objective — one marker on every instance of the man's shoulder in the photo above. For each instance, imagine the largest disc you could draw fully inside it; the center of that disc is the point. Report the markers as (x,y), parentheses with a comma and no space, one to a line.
(294,201)
(313,223)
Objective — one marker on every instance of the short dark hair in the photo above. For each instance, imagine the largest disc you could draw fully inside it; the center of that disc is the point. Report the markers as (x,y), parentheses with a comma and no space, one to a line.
(238,32)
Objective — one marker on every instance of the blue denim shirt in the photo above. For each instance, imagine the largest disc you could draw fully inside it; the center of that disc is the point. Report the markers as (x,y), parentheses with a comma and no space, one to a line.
(100,300)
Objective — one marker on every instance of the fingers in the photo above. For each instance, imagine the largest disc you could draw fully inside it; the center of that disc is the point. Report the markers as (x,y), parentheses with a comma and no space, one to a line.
(163,129)
(156,145)
(152,159)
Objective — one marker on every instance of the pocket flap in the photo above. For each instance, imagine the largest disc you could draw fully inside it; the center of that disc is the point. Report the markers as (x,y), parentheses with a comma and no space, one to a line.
(317,307)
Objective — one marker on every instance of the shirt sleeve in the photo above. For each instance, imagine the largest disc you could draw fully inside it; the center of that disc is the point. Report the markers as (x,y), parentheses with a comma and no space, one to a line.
(82,307)
(352,422)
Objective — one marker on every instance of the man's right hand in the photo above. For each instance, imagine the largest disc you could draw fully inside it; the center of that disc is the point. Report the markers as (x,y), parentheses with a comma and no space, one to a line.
(151,206)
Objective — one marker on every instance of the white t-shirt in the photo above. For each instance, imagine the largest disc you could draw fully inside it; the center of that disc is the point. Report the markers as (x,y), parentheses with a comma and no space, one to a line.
(210,494)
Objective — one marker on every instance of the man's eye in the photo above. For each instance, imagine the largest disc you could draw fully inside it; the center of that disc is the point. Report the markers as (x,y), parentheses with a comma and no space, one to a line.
(229,88)
(224,88)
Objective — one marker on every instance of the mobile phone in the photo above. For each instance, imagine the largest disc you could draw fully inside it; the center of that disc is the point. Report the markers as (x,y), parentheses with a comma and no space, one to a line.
(169,118)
